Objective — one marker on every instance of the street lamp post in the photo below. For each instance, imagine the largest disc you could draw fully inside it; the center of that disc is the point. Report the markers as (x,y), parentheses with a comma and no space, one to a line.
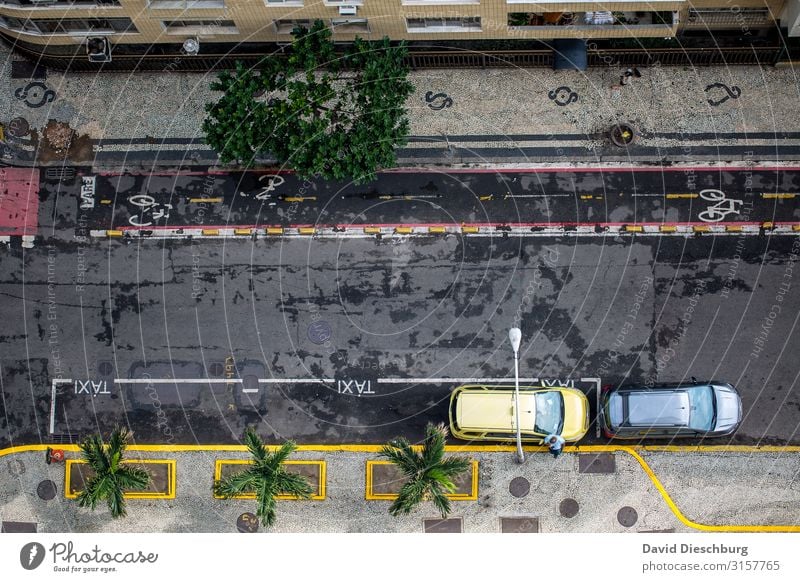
(515,337)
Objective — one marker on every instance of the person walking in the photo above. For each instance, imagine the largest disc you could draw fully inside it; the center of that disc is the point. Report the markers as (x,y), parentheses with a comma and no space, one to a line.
(555,443)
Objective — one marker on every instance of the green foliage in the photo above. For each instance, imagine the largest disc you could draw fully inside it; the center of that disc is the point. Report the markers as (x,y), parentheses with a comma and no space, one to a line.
(266,477)
(111,477)
(336,116)
(429,476)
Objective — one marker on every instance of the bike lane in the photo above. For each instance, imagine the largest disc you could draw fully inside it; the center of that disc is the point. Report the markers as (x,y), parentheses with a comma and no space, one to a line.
(244,200)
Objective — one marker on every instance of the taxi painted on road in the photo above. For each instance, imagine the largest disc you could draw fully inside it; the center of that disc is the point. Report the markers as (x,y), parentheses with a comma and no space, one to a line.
(486,412)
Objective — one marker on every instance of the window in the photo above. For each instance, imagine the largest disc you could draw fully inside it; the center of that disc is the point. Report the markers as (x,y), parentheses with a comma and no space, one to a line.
(70,25)
(467,24)
(701,18)
(200,27)
(184,4)
(349,25)
(283,2)
(287,26)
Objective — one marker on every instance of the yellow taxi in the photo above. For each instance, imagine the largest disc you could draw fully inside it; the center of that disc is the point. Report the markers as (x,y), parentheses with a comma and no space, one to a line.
(481,412)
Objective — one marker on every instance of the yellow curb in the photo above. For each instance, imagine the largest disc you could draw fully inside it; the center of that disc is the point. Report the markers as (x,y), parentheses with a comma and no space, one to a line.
(113,233)
(307,230)
(633,228)
(796,227)
(372,230)
(677,196)
(701,228)
(766,225)
(370,496)
(665,228)
(168,494)
(403,230)
(320,486)
(200,200)
(210,232)
(437,230)
(274,230)
(244,231)
(470,229)
(733,228)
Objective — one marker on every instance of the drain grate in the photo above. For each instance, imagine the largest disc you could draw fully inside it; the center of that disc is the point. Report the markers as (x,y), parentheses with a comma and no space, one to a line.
(62,173)
(66,438)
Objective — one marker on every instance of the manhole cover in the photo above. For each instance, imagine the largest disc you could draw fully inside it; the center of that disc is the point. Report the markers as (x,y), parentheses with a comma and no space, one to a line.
(216,369)
(247,523)
(46,490)
(603,463)
(105,368)
(519,487)
(18,127)
(319,332)
(627,516)
(568,507)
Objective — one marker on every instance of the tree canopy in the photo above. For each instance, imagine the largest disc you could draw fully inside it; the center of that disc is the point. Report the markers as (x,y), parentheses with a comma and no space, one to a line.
(321,112)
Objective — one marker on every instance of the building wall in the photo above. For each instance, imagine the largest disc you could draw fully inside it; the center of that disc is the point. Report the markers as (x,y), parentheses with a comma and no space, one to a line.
(254,19)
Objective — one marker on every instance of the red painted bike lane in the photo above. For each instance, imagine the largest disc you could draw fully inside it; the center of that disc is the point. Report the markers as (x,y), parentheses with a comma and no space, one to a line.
(19,201)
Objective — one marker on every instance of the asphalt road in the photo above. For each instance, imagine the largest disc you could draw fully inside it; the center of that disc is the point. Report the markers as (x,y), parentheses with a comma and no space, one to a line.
(654,195)
(322,340)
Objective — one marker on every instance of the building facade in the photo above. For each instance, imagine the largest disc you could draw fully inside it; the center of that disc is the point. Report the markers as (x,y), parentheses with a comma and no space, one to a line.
(147,22)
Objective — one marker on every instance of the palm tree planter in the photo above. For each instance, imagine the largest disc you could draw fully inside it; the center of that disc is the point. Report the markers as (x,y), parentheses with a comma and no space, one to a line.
(314,472)
(266,478)
(411,475)
(103,475)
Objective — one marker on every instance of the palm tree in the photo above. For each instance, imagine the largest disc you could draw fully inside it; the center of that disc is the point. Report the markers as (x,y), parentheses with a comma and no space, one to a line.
(429,475)
(266,477)
(111,477)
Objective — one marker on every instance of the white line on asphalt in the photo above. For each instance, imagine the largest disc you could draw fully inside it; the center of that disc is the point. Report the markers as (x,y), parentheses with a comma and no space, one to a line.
(597,382)
(536,195)
(297,380)
(249,390)
(53,401)
(176,380)
(451,380)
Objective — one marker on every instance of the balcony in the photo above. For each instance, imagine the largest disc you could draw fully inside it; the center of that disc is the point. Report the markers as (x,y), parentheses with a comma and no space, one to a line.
(594,24)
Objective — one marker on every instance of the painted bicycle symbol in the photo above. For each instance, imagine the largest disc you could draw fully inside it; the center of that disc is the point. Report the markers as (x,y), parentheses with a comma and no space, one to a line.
(723,207)
(273,181)
(148,204)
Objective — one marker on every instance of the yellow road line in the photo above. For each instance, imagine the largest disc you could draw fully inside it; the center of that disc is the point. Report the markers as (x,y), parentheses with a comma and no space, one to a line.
(677,196)
(299,198)
(212,200)
(487,198)
(777,196)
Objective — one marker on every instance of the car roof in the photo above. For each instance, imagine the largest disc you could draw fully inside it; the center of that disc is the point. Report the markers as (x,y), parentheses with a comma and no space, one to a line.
(659,408)
(487,411)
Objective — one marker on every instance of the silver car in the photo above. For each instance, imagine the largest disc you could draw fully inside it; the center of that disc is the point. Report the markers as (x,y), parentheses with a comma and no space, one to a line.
(695,409)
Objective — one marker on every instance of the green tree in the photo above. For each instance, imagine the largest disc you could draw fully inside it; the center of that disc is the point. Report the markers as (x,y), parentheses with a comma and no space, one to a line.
(429,474)
(338,116)
(266,477)
(111,477)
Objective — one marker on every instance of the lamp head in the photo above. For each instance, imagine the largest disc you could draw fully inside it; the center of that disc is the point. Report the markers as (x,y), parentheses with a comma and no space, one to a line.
(515,337)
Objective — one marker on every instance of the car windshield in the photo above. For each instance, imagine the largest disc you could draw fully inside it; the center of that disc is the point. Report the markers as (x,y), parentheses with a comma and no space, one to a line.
(701,402)
(549,412)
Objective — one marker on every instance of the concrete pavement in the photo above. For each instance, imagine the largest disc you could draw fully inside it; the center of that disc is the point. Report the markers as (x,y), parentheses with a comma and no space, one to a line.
(457,117)
(643,491)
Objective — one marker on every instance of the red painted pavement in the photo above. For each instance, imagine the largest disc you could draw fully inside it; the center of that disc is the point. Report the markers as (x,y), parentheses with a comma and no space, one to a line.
(19,201)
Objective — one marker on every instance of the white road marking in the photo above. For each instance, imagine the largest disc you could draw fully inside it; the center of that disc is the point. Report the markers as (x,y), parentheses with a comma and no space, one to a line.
(296,380)
(451,380)
(55,382)
(177,380)
(249,390)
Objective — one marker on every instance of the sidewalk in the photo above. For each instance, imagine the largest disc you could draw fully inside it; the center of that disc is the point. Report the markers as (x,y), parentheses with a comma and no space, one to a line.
(489,116)
(738,489)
